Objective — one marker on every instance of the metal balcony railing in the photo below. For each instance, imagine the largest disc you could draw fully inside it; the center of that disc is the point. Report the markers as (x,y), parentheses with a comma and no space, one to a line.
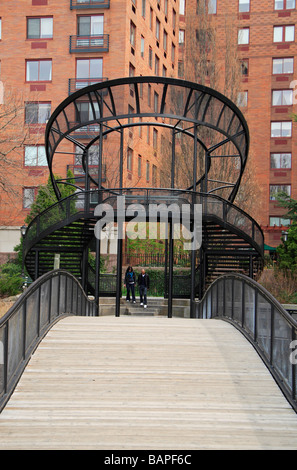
(75,84)
(78,4)
(92,43)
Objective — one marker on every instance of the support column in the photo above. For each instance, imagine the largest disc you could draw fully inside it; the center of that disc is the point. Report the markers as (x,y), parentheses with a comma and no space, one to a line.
(120,234)
(97,272)
(170,283)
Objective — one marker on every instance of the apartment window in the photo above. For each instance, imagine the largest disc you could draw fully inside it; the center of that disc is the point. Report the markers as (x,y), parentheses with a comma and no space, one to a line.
(212,7)
(242,99)
(164,71)
(243,36)
(283,65)
(151,18)
(147,173)
(281,161)
(156,102)
(166,7)
(0,28)
(28,197)
(284,33)
(35,155)
(129,159)
(154,175)
(181,37)
(139,166)
(155,139)
(93,155)
(150,61)
(244,67)
(88,70)
(173,52)
(244,6)
(132,33)
(276,189)
(38,70)
(173,19)
(157,65)
(281,129)
(158,29)
(39,28)
(282,97)
(90,25)
(143,8)
(149,94)
(278,222)
(142,46)
(165,40)
(37,113)
(85,112)
(284,4)
(182,7)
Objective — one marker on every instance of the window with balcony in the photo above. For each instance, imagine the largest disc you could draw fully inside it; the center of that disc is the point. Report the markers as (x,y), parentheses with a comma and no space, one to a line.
(282,65)
(284,4)
(37,113)
(276,189)
(284,33)
(281,129)
(35,155)
(282,97)
(281,161)
(88,71)
(39,28)
(38,70)
(90,25)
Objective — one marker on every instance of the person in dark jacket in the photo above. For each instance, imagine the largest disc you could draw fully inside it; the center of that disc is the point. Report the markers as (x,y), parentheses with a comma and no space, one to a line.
(143,284)
(130,281)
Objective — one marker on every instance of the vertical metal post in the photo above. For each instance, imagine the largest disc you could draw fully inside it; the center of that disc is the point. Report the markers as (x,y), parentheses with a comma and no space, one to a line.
(120,232)
(193,252)
(173,160)
(97,272)
(170,284)
(166,260)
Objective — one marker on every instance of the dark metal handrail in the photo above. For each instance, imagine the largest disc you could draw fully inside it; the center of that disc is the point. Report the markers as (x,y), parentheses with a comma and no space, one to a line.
(264,322)
(48,299)
(90,43)
(89,4)
(213,206)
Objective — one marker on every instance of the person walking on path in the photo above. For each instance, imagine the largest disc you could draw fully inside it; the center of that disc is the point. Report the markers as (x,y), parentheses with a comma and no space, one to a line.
(143,284)
(130,280)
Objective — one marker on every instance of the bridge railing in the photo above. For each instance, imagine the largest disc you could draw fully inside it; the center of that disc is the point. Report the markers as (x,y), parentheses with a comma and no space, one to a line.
(50,297)
(262,319)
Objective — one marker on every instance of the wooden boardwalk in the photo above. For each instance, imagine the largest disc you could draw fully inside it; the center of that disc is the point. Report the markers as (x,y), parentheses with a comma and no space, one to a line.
(146,383)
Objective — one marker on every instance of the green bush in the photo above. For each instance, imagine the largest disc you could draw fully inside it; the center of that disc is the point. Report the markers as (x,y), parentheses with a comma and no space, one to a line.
(10,279)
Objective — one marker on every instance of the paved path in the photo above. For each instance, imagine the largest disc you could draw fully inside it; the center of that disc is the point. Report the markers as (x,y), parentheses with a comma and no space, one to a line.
(146,383)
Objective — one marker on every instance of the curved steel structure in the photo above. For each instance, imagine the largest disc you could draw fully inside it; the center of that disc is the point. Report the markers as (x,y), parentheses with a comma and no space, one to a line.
(206,133)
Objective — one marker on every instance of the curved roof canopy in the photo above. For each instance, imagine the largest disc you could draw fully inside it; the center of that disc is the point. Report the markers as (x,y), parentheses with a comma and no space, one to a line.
(214,123)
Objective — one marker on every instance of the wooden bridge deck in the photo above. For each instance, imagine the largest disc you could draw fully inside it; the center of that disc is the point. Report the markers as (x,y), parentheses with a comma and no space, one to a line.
(146,383)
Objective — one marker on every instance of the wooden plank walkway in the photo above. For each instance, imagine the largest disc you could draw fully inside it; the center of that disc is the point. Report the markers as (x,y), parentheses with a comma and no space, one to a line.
(146,383)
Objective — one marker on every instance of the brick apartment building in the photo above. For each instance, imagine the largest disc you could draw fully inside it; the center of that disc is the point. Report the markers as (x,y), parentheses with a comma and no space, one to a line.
(265,37)
(50,48)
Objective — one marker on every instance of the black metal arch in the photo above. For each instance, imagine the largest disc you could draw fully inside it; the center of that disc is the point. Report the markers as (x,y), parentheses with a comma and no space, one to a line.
(213,121)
